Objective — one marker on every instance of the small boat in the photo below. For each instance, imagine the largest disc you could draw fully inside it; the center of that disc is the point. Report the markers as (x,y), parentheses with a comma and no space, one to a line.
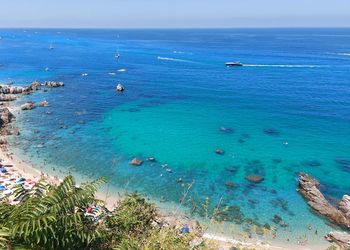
(51,46)
(233,64)
(117,55)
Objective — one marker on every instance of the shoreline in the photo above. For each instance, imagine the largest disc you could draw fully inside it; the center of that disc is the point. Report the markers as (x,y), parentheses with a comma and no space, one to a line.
(27,170)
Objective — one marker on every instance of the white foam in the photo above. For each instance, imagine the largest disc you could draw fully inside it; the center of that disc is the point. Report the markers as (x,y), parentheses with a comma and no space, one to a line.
(112,73)
(172,59)
(285,65)
(121,70)
(343,54)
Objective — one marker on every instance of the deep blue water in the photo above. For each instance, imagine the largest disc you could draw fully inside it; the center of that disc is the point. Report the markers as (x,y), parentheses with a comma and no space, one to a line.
(295,83)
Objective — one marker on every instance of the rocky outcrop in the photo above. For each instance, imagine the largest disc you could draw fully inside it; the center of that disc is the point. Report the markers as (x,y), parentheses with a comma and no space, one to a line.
(52,84)
(28,106)
(309,188)
(7,89)
(342,239)
(7,97)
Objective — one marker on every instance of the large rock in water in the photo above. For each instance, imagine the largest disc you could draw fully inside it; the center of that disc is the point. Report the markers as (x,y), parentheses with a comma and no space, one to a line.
(309,188)
(5,117)
(28,106)
(120,88)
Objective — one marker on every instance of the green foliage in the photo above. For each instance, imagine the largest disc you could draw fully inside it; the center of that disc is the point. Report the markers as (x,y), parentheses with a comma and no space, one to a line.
(158,239)
(4,235)
(133,216)
(332,247)
(53,218)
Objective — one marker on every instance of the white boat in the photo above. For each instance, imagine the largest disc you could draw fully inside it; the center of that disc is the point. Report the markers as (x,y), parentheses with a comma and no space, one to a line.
(51,46)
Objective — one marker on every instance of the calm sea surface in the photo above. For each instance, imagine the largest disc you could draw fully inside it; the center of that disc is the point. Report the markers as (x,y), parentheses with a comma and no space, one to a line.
(287,110)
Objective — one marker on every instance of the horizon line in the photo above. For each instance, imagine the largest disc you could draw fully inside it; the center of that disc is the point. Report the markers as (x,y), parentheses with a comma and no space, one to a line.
(181,28)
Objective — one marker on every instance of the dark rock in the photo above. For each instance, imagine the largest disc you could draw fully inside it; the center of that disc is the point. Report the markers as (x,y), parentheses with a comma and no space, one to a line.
(277,219)
(311,163)
(232,169)
(271,132)
(240,140)
(219,151)
(276,161)
(227,130)
(230,184)
(344,164)
(5,117)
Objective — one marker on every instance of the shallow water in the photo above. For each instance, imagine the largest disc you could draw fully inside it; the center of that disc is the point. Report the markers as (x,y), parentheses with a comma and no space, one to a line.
(287,110)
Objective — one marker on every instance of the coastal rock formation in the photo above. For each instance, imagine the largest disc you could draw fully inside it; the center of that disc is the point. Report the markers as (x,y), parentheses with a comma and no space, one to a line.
(120,88)
(52,84)
(7,89)
(309,188)
(342,239)
(28,106)
(7,97)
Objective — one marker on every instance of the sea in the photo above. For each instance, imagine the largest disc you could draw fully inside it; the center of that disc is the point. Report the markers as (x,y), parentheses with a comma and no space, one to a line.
(285,111)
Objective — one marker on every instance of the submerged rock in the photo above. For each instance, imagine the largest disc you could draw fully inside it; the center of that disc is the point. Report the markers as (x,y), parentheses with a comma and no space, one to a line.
(136,162)
(27,106)
(271,131)
(219,151)
(230,184)
(255,178)
(227,130)
(309,188)
(152,159)
(344,164)
(311,163)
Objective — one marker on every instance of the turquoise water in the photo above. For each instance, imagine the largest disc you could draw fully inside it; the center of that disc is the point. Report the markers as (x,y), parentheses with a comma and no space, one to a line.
(288,110)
